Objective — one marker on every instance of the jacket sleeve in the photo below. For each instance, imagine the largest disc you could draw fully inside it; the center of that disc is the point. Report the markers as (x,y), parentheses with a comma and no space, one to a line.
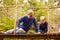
(19,21)
(46,29)
(35,25)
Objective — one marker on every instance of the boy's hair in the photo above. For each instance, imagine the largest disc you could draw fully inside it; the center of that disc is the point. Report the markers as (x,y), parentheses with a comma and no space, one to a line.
(43,17)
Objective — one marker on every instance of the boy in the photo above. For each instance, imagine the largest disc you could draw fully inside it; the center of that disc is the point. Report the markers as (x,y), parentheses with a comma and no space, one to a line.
(43,27)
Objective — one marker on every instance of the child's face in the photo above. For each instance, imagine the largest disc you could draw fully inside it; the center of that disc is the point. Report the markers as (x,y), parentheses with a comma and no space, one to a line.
(42,20)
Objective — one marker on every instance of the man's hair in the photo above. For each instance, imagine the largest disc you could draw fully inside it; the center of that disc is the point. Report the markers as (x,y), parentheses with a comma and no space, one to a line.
(30,11)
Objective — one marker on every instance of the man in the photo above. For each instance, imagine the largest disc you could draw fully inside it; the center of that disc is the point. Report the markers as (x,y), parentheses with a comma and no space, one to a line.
(26,23)
(43,27)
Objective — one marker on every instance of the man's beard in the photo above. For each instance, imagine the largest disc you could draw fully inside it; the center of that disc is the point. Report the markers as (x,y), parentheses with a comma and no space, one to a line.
(31,16)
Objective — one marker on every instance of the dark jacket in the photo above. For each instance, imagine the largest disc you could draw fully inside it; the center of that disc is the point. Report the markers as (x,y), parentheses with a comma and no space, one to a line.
(27,22)
(43,27)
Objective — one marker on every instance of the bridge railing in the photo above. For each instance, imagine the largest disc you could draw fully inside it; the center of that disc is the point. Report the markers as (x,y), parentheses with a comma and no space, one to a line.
(31,36)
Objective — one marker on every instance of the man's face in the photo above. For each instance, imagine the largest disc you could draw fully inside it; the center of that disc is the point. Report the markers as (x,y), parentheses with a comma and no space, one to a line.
(31,14)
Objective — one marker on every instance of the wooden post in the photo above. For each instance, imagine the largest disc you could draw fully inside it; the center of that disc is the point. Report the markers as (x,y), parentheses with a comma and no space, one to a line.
(48,21)
(14,24)
(15,18)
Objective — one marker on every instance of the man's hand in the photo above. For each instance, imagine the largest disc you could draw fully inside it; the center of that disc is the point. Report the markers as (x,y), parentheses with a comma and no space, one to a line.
(37,33)
(21,30)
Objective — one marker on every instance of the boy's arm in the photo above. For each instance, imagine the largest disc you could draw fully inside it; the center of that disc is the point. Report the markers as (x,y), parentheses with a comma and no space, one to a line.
(46,29)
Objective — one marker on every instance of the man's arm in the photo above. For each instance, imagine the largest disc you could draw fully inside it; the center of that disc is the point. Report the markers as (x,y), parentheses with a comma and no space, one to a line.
(19,21)
(35,25)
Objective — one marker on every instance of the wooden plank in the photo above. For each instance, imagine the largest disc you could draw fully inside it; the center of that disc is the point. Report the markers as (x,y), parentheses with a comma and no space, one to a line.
(31,36)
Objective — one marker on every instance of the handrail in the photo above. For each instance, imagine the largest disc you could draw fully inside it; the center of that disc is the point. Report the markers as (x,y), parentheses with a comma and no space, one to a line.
(30,7)
(31,36)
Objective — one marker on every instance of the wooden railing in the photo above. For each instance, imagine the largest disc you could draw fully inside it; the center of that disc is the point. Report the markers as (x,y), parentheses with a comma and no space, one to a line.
(31,36)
